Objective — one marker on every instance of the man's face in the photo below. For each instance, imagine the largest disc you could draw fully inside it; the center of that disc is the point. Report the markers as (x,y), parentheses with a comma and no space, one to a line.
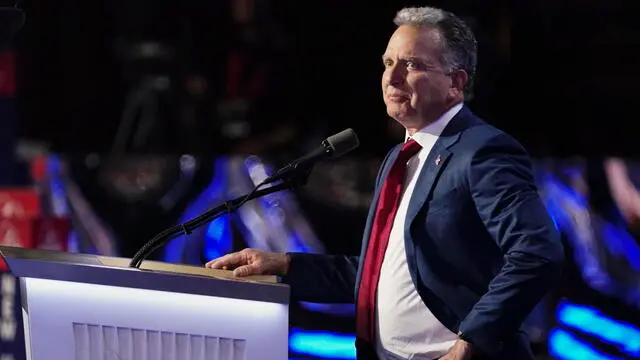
(415,85)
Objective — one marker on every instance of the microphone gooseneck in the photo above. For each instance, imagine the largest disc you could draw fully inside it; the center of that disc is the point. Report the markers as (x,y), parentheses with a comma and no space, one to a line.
(293,175)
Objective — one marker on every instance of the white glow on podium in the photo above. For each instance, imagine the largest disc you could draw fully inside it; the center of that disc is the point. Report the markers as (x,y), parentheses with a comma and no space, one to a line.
(54,307)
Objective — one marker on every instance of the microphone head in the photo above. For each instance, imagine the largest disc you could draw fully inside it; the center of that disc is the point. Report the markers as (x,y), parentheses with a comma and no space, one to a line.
(11,21)
(343,142)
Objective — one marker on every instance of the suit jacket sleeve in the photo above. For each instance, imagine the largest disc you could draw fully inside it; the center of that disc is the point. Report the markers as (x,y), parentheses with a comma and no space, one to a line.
(322,278)
(506,198)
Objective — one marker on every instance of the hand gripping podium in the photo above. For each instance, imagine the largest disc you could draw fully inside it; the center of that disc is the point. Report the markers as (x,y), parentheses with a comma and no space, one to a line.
(88,307)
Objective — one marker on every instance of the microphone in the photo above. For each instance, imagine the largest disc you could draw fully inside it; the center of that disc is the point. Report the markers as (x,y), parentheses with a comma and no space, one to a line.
(332,147)
(294,174)
(11,21)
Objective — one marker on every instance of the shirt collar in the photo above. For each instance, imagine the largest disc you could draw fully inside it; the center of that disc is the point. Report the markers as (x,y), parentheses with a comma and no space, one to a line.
(434,129)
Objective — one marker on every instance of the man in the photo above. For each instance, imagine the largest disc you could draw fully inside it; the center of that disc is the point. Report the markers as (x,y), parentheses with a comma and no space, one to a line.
(458,247)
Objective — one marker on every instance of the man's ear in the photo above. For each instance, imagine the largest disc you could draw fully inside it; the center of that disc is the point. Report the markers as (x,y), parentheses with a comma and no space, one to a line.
(459,79)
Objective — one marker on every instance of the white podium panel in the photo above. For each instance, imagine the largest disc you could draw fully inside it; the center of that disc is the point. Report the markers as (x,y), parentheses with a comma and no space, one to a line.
(115,323)
(85,307)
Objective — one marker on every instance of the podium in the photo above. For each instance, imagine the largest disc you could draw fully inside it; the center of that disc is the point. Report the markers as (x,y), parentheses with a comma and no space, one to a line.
(88,307)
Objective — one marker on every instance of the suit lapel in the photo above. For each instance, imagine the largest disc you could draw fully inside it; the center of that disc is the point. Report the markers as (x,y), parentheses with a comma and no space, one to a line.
(436,162)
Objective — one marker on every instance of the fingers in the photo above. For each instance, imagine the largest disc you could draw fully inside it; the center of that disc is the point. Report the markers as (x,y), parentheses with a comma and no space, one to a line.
(227,261)
(246,270)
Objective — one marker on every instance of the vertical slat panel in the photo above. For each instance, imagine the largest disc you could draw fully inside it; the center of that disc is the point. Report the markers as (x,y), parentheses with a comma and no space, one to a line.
(110,339)
(168,345)
(225,351)
(155,345)
(81,341)
(182,346)
(212,346)
(197,348)
(125,348)
(139,344)
(239,349)
(97,342)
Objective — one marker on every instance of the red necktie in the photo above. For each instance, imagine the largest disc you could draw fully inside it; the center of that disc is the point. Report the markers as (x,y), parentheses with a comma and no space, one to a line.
(386,209)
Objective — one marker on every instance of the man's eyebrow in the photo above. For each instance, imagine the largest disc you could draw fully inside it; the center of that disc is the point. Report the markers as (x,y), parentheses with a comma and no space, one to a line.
(413,58)
(410,57)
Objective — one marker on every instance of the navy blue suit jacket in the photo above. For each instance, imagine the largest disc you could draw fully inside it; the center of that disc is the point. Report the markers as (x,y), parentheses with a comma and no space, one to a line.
(481,248)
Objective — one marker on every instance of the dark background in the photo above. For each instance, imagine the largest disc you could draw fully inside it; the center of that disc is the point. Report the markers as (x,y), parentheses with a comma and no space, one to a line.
(559,75)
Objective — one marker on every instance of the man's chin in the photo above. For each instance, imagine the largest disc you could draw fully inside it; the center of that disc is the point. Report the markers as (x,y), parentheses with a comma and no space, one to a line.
(402,117)
(409,123)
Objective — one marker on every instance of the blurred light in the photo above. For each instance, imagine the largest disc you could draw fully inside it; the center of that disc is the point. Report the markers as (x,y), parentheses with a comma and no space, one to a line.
(621,243)
(618,240)
(256,169)
(211,196)
(282,212)
(187,163)
(564,204)
(593,322)
(218,238)
(297,244)
(330,309)
(565,346)
(322,344)
(58,194)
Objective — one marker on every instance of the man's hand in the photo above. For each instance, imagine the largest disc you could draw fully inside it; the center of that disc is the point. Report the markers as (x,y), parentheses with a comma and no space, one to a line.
(461,350)
(252,262)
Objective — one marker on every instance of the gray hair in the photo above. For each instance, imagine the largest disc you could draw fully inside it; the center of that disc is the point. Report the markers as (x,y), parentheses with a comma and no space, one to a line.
(460,48)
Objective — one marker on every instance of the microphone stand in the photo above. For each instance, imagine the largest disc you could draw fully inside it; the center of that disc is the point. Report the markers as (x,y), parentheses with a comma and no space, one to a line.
(291,181)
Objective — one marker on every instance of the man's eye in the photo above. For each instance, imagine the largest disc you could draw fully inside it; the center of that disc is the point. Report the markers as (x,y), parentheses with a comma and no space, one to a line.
(412,65)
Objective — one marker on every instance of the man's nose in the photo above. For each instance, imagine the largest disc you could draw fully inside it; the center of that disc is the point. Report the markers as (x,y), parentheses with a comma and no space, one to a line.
(395,75)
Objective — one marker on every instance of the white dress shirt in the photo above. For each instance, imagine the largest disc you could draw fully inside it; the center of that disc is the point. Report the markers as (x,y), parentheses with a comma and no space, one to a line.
(404,325)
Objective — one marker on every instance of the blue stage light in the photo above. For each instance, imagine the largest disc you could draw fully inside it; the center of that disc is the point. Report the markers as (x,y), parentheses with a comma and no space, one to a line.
(565,346)
(593,322)
(322,344)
